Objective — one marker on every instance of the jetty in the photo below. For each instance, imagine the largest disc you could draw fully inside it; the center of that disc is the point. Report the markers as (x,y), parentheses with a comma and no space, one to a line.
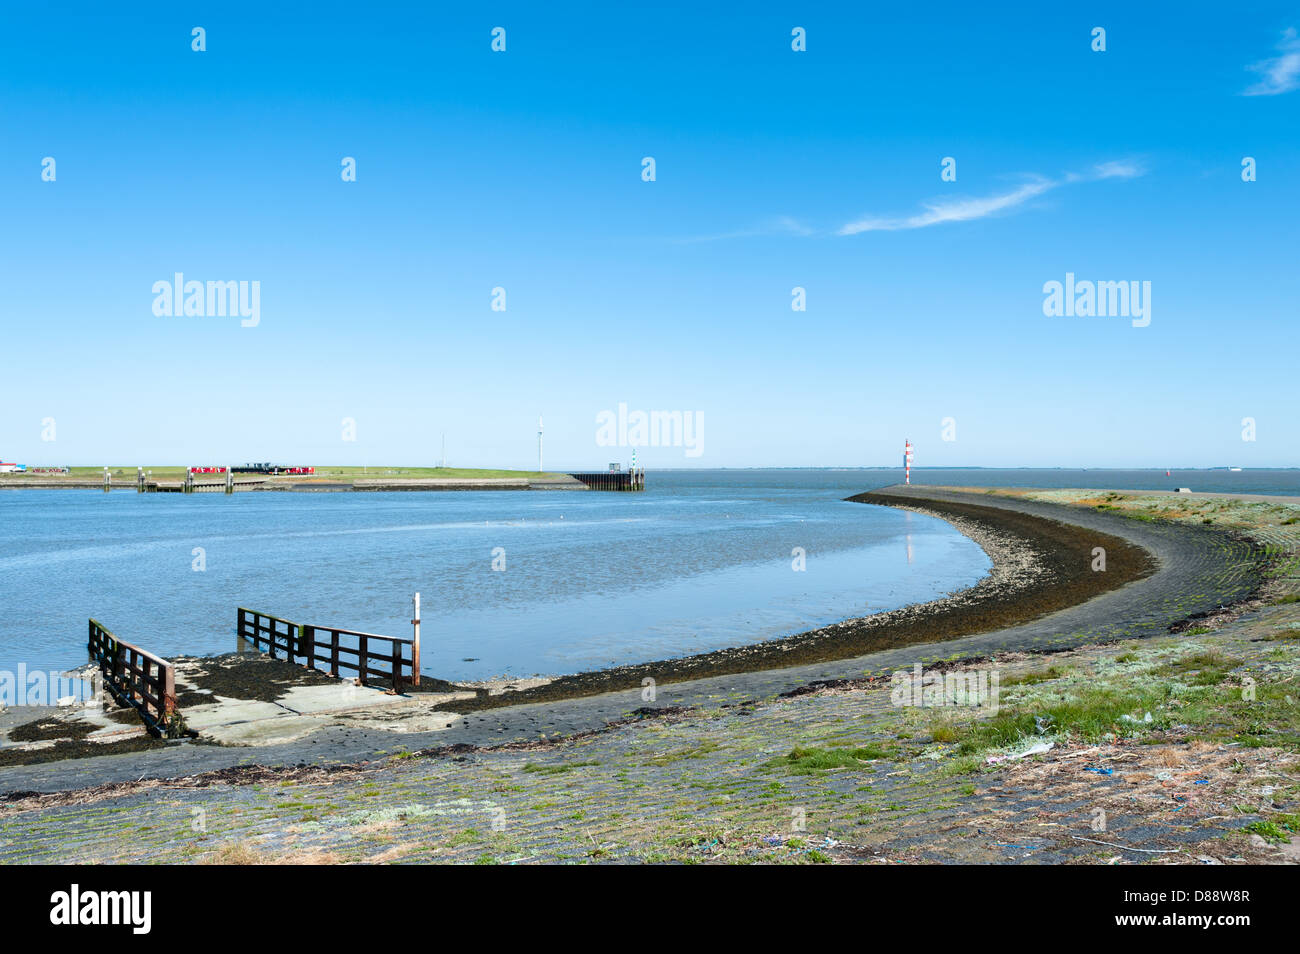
(174,480)
(621,480)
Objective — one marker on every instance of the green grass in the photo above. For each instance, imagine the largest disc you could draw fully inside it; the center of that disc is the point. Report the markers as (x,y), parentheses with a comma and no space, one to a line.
(1276,828)
(1086,713)
(962,765)
(336,472)
(555,769)
(460,473)
(1206,669)
(1033,678)
(944,732)
(690,752)
(802,761)
(1287,635)
(1200,691)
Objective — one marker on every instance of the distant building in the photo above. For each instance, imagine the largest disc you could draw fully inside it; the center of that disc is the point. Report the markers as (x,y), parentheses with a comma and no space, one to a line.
(266,467)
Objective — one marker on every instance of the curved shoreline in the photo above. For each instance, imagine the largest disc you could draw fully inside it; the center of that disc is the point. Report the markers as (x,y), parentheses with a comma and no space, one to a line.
(1040,566)
(1199,571)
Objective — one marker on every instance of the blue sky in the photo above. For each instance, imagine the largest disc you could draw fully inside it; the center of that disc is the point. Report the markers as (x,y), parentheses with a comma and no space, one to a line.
(774,169)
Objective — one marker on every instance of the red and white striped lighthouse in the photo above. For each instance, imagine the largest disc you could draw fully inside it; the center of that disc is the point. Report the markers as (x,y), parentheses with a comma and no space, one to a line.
(907,461)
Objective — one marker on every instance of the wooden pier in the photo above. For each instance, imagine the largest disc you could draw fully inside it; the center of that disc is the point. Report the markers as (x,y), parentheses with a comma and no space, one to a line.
(332,650)
(630,480)
(191,486)
(135,677)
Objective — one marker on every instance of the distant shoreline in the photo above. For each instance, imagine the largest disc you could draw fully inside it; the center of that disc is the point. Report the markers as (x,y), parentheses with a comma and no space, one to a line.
(172,481)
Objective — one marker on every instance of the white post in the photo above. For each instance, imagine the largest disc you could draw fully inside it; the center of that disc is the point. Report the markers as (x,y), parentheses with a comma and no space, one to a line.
(415,647)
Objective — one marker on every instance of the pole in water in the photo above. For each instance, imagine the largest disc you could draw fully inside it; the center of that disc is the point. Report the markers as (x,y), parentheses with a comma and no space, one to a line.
(415,646)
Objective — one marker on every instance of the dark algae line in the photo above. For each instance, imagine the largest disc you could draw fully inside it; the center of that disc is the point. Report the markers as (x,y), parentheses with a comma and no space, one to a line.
(1055,561)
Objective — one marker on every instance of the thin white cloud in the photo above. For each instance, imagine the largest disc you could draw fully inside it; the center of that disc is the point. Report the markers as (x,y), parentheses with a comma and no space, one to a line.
(941,211)
(1281,74)
(951,210)
(1117,170)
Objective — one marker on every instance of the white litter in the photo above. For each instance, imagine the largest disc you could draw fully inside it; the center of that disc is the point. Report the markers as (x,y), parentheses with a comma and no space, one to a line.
(1038,749)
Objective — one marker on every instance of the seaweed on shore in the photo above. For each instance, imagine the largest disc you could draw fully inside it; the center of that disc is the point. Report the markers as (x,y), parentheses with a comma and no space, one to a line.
(243,676)
(69,738)
(1053,572)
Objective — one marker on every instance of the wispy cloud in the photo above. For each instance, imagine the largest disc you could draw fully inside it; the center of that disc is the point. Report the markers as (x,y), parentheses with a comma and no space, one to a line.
(950,210)
(940,211)
(1281,74)
(1116,169)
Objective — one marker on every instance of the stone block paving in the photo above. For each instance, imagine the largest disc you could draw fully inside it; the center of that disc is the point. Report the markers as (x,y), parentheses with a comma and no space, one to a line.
(702,786)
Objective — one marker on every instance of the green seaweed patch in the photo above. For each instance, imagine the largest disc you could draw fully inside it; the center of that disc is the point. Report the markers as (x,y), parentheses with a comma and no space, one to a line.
(690,752)
(1034,678)
(1205,668)
(1277,828)
(535,769)
(812,761)
(1086,713)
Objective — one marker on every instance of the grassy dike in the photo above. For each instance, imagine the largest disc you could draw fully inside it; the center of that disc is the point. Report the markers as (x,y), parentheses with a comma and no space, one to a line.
(1171,749)
(333,473)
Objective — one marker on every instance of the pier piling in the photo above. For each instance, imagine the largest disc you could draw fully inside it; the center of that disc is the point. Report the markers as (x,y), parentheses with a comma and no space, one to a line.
(631,480)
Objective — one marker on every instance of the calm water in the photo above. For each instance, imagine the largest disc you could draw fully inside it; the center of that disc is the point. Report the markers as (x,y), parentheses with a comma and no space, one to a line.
(700,561)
